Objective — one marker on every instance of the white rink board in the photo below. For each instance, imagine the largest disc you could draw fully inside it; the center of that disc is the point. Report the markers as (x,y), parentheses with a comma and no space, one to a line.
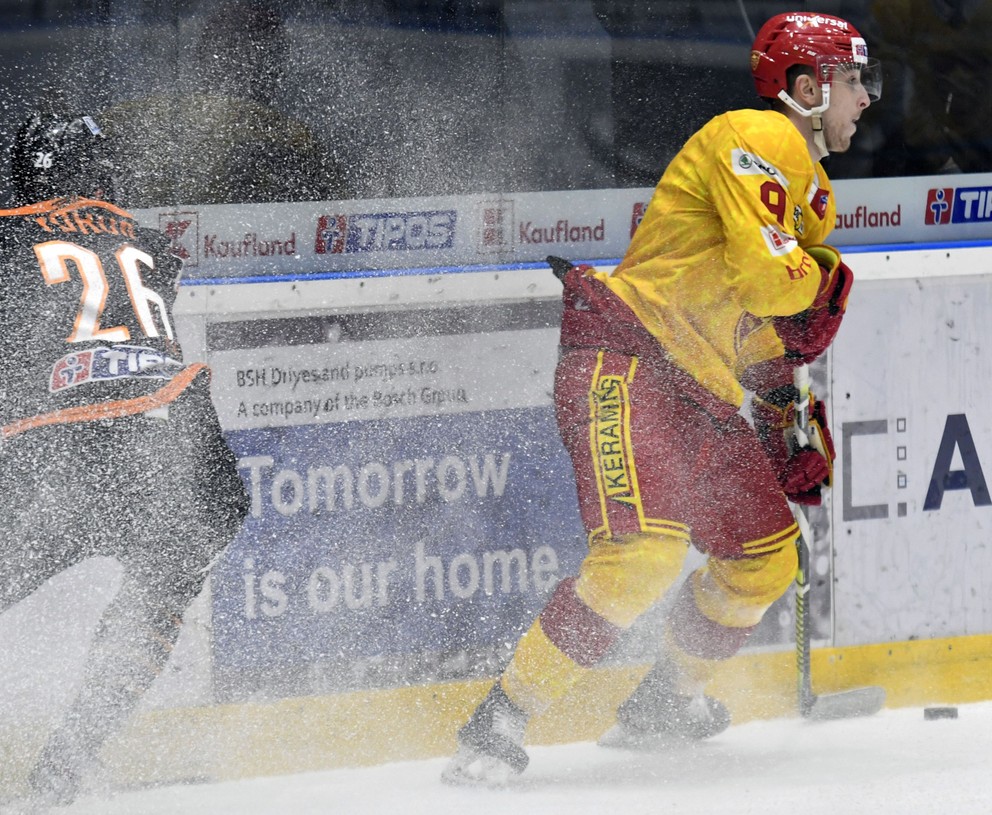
(911,369)
(911,353)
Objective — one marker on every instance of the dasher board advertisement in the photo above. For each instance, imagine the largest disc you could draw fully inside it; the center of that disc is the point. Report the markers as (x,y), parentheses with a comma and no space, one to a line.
(412,503)
(412,509)
(912,368)
(458,233)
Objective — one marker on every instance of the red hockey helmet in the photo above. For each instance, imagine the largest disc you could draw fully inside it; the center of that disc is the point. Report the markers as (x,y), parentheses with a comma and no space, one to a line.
(820,41)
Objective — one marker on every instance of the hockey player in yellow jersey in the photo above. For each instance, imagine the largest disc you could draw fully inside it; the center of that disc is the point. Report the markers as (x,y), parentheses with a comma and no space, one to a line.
(726,286)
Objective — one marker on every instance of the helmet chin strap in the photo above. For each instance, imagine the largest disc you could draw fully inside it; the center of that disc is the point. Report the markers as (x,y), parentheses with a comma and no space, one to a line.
(814,114)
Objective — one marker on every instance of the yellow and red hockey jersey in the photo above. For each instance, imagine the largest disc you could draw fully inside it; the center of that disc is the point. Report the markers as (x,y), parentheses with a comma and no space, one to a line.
(720,250)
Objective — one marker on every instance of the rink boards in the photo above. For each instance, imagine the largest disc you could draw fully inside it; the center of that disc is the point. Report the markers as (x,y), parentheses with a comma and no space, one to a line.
(900,554)
(412,506)
(903,568)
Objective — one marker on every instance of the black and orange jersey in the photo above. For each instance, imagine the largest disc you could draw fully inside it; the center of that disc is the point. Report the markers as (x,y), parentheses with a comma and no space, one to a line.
(720,250)
(86,328)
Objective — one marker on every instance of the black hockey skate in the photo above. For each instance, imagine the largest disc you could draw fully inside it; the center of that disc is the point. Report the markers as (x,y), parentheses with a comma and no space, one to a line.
(490,750)
(656,716)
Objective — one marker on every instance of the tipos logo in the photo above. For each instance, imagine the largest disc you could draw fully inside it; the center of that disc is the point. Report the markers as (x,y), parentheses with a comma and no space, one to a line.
(958,205)
(385,232)
(939,202)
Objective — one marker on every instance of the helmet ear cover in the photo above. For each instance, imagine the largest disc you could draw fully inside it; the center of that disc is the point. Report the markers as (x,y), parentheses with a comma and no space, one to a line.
(56,156)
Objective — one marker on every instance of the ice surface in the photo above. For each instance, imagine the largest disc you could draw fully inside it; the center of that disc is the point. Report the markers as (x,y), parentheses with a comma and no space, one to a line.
(894,762)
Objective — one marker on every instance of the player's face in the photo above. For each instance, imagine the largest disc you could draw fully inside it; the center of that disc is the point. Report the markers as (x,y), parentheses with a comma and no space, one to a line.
(848,99)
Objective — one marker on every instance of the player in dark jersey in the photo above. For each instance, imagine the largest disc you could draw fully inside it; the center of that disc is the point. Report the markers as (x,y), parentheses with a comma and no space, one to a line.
(109,442)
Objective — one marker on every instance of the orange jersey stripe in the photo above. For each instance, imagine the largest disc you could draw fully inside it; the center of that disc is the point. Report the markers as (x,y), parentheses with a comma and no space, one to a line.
(109,410)
(64,205)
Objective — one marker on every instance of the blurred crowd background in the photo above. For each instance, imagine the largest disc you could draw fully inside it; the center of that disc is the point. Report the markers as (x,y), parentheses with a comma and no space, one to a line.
(225,101)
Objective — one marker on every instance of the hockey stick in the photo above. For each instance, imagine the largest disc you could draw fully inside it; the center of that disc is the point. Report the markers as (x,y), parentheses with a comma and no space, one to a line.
(846,704)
